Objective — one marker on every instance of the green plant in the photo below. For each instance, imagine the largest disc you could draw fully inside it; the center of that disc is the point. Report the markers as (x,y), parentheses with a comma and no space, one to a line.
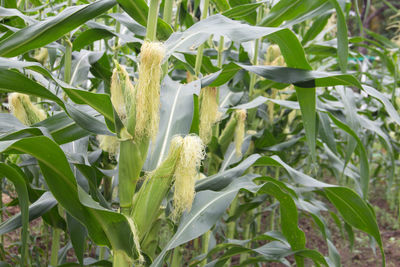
(117,162)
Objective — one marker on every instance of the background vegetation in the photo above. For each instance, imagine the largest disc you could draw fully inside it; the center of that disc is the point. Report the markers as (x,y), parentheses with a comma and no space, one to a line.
(295,102)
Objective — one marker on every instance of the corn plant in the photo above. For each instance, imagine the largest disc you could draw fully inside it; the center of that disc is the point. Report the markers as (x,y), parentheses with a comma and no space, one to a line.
(192,132)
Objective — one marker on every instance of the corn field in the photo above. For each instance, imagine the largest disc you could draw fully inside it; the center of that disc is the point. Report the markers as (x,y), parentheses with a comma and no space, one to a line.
(197,132)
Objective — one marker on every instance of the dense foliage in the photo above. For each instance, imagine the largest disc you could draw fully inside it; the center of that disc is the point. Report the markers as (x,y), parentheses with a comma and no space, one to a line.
(195,132)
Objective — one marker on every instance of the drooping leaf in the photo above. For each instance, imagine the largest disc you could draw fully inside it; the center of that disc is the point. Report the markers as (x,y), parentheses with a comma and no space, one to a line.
(207,208)
(47,31)
(286,10)
(356,213)
(342,39)
(105,227)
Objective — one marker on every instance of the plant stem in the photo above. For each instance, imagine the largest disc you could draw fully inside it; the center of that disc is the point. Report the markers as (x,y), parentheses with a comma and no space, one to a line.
(67,61)
(55,246)
(178,10)
(168,5)
(102,253)
(259,220)
(205,9)
(200,50)
(131,159)
(232,225)
(117,30)
(255,62)
(205,240)
(196,244)
(107,185)
(231,228)
(176,257)
(272,216)
(220,51)
(246,235)
(252,113)
(199,60)
(152,20)
(120,259)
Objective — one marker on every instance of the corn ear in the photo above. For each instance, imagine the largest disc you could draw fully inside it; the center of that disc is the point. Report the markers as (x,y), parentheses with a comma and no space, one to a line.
(42,55)
(155,187)
(186,172)
(239,130)
(123,97)
(273,52)
(148,90)
(109,144)
(117,97)
(227,134)
(209,113)
(23,109)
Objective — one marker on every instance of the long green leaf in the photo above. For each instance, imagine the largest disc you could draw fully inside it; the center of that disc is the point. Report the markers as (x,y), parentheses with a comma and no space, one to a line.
(293,53)
(289,218)
(105,227)
(364,165)
(39,208)
(207,208)
(241,11)
(222,5)
(356,213)
(286,10)
(12,81)
(49,30)
(342,39)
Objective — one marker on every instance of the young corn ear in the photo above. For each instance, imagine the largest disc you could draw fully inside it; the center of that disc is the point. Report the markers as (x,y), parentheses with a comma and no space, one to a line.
(239,130)
(186,173)
(209,113)
(23,109)
(147,201)
(109,144)
(227,134)
(123,95)
(274,57)
(148,90)
(117,97)
(273,52)
(42,55)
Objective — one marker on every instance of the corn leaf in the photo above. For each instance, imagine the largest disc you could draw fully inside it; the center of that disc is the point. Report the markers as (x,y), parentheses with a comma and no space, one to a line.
(49,30)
